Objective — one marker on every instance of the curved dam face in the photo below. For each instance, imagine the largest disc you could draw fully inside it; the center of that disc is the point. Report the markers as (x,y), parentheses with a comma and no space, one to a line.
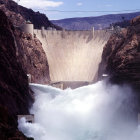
(73,55)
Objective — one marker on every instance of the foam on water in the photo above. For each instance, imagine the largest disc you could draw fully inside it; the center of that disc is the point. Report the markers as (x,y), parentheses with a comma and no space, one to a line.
(96,112)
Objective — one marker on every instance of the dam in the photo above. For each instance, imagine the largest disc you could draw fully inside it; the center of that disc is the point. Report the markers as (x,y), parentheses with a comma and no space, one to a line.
(73,56)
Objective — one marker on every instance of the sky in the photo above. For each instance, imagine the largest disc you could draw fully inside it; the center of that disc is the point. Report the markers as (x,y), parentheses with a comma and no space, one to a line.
(52,8)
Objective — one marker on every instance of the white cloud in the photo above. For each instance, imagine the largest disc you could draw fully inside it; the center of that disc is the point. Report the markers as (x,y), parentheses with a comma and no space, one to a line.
(79,3)
(39,3)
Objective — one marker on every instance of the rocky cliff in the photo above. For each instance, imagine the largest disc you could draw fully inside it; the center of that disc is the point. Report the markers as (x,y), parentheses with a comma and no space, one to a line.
(22,14)
(121,56)
(32,57)
(28,48)
(20,54)
(15,18)
(15,96)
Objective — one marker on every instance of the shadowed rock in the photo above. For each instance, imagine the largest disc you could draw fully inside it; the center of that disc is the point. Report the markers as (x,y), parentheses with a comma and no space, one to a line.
(121,56)
(15,95)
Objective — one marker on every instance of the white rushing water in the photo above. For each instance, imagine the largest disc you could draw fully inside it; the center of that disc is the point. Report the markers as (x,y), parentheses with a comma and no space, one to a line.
(96,112)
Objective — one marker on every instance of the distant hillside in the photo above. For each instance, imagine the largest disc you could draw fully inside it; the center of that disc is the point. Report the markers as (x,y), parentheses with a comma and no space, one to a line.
(37,18)
(99,22)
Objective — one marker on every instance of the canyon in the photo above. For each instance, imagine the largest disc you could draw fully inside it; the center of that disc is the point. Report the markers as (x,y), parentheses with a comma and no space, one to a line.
(15,95)
(57,57)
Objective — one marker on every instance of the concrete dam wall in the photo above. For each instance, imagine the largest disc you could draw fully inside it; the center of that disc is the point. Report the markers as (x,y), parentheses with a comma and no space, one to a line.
(73,55)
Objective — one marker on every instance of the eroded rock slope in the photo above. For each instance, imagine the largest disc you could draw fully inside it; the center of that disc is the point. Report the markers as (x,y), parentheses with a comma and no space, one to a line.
(121,56)
(37,18)
(15,96)
(28,48)
(32,57)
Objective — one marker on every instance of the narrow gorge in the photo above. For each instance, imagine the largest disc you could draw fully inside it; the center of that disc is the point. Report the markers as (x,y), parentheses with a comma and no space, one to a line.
(59,84)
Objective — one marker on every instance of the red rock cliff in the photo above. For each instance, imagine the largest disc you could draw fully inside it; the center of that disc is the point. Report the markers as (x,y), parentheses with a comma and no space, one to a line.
(28,48)
(32,57)
(15,95)
(121,56)
(37,18)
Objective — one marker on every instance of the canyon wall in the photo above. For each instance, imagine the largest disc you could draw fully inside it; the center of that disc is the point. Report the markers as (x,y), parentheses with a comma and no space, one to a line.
(73,55)
(121,56)
(32,57)
(15,95)
(37,18)
(20,54)
(28,48)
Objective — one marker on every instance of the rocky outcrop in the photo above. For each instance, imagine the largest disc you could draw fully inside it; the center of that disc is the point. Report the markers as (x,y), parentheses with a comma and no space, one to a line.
(32,57)
(28,48)
(36,18)
(15,96)
(8,130)
(20,54)
(13,80)
(15,18)
(121,56)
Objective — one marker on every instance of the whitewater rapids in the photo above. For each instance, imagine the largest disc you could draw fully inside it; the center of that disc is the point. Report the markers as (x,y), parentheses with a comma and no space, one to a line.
(96,112)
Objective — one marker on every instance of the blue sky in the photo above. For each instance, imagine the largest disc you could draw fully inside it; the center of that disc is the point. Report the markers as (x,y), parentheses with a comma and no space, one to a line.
(80,5)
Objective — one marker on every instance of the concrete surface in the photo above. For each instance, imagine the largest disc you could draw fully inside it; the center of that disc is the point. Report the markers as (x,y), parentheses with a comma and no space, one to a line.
(73,55)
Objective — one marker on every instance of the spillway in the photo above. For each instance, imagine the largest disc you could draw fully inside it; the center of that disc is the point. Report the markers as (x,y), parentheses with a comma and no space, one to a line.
(73,55)
(95,112)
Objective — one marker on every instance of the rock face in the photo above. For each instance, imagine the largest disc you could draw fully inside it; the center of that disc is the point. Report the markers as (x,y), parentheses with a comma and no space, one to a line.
(28,48)
(36,18)
(8,130)
(32,57)
(13,79)
(121,56)
(15,97)
(15,18)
